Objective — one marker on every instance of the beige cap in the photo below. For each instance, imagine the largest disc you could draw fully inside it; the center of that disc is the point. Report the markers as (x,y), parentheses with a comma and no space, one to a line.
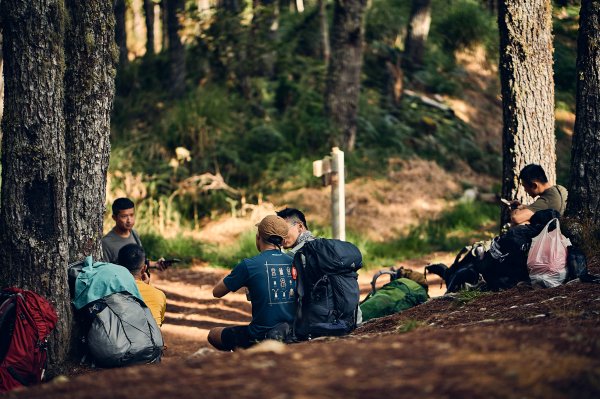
(273,225)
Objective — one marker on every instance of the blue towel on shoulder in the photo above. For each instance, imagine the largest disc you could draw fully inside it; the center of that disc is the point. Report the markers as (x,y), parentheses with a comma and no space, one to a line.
(99,279)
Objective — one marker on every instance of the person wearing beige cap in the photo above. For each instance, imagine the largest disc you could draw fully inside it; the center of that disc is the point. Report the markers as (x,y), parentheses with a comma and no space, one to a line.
(271,283)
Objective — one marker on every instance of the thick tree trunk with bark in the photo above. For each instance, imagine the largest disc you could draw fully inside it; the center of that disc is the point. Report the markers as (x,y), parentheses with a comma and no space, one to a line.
(176,49)
(89,91)
(149,16)
(343,78)
(121,32)
(527,92)
(417,33)
(33,221)
(584,191)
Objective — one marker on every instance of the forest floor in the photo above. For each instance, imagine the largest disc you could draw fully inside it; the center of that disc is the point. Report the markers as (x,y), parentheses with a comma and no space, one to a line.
(524,342)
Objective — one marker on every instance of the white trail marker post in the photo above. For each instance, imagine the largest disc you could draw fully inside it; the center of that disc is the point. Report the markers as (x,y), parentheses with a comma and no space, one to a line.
(331,170)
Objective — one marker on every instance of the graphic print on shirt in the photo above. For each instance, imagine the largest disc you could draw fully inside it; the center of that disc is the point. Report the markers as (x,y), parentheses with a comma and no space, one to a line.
(281,284)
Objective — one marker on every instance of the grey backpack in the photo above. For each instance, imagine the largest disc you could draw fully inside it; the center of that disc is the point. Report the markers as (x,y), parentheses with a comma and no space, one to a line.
(123,332)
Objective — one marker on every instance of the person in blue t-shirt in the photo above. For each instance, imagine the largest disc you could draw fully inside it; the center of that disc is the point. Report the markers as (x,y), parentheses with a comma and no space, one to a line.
(271,285)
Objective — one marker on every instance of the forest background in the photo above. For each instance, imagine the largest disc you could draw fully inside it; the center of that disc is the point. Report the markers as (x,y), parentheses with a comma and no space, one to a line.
(242,134)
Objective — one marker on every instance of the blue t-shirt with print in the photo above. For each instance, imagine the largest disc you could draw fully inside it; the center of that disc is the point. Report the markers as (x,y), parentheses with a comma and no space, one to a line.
(268,277)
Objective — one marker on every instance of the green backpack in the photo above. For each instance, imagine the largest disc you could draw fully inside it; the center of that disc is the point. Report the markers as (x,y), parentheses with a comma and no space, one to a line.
(394,297)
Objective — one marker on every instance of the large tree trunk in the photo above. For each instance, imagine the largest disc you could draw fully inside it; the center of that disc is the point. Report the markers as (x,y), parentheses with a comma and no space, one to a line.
(527,92)
(89,91)
(176,49)
(584,191)
(33,221)
(121,32)
(343,78)
(416,36)
(149,16)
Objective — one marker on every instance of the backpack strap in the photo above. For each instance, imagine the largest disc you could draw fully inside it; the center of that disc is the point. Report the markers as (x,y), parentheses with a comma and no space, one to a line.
(299,292)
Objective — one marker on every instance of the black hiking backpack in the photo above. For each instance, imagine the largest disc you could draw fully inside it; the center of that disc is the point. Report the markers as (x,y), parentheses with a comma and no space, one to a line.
(326,288)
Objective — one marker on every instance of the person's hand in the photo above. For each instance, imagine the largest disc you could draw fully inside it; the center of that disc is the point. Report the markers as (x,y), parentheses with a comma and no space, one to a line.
(161,265)
(146,275)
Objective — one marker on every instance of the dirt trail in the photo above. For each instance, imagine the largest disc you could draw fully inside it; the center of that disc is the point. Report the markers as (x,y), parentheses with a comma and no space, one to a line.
(192,311)
(517,343)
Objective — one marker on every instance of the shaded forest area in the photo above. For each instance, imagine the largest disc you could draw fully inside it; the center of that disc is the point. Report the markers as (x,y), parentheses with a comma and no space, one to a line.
(254,106)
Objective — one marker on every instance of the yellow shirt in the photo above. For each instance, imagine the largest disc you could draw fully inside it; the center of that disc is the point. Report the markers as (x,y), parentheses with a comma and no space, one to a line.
(155,299)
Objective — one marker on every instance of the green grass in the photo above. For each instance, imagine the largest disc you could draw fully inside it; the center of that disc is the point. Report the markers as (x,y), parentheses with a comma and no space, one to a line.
(463,224)
(455,228)
(466,296)
(182,248)
(409,325)
(231,255)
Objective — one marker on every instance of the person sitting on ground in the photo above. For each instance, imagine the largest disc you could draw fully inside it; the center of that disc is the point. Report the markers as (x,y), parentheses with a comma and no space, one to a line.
(536,184)
(132,257)
(268,278)
(123,233)
(299,233)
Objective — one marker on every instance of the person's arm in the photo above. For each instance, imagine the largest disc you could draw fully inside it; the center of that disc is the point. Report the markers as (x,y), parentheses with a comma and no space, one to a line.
(233,282)
(220,290)
(520,215)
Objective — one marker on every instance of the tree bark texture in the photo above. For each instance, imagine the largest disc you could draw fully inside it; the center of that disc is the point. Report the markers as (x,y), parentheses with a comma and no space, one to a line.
(343,77)
(584,191)
(121,32)
(33,221)
(89,91)
(176,49)
(417,33)
(527,92)
(149,16)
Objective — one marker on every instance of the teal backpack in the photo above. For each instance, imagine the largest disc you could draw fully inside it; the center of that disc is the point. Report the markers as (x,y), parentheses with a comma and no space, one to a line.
(396,296)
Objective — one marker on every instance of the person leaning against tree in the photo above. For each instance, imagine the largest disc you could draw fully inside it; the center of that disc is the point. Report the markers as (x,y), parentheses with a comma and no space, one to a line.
(534,180)
(269,279)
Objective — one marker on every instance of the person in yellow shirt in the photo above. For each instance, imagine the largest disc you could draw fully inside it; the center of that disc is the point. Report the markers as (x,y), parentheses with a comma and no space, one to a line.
(132,257)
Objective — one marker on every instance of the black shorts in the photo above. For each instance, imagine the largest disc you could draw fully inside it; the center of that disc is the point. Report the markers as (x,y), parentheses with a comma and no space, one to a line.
(236,337)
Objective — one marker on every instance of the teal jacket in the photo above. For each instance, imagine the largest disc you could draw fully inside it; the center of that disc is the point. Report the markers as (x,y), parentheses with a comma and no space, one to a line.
(99,279)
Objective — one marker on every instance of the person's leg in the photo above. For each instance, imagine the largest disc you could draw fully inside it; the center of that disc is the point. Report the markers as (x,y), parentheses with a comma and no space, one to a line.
(214,337)
(230,338)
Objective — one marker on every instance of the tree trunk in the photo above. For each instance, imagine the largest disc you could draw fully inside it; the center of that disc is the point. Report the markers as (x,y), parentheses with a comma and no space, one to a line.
(121,32)
(265,27)
(163,25)
(324,26)
(584,191)
(1,84)
(416,36)
(343,77)
(176,49)
(527,92)
(149,16)
(33,221)
(89,91)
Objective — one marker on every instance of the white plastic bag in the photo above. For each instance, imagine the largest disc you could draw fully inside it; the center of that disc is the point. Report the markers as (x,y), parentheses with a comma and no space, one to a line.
(547,257)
